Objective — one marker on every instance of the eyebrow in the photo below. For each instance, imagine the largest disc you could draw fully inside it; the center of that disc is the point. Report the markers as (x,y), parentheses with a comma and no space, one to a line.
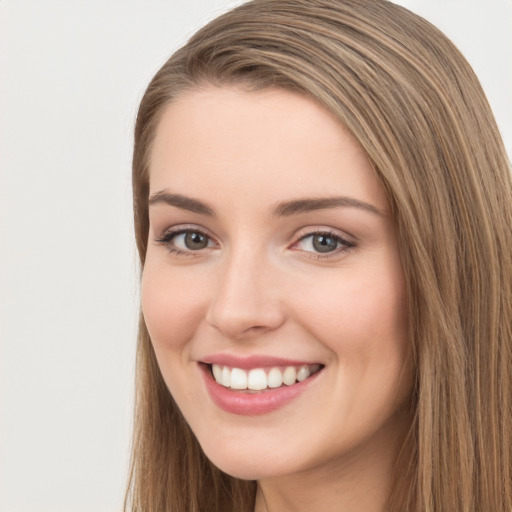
(307,205)
(285,209)
(182,202)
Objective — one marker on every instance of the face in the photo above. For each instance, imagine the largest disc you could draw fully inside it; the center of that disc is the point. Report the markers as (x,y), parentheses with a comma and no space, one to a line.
(272,263)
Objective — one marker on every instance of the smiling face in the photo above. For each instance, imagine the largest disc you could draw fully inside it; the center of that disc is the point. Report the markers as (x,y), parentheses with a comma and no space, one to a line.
(272,257)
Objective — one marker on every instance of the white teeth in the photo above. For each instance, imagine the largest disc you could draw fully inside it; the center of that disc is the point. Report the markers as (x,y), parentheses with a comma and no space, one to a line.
(274,378)
(217,372)
(303,373)
(226,377)
(238,379)
(258,379)
(289,376)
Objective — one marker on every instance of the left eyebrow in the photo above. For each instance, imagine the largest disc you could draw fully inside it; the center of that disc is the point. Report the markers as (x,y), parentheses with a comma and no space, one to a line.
(307,205)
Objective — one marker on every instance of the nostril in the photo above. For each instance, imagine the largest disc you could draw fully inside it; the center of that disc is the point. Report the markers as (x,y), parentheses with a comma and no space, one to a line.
(256,328)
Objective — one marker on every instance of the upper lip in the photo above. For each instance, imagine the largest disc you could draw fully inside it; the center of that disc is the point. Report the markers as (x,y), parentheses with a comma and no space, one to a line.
(254,361)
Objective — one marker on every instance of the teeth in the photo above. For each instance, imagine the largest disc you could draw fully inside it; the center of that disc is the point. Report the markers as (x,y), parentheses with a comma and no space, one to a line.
(225,378)
(274,378)
(258,379)
(303,373)
(289,375)
(217,372)
(238,379)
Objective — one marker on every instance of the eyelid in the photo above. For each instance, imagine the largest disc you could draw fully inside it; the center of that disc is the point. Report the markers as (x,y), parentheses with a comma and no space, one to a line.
(166,236)
(347,242)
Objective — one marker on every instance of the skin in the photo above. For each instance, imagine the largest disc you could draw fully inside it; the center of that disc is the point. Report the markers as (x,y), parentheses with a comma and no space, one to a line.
(260,287)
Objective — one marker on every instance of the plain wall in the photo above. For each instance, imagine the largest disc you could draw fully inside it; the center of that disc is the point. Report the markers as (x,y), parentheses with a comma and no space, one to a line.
(71,75)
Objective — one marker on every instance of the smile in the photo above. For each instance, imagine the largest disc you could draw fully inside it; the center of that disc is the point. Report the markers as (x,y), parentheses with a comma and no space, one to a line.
(258,385)
(259,379)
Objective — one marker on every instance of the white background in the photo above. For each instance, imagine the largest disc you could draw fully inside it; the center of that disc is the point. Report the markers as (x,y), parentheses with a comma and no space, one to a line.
(71,76)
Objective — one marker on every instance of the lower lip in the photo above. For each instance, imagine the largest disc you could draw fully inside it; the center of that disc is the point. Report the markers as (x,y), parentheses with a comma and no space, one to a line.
(253,403)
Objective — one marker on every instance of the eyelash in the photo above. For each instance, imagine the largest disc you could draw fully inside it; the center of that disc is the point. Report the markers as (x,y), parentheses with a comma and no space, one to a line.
(346,245)
(167,237)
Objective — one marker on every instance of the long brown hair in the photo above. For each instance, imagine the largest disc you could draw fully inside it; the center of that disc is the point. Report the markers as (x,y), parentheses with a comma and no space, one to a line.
(413,102)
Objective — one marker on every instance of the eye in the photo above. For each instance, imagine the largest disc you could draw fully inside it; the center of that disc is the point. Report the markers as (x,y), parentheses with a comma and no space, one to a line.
(185,241)
(323,243)
(191,240)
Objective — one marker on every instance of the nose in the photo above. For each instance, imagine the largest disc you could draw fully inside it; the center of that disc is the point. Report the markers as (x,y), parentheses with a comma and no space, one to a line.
(246,302)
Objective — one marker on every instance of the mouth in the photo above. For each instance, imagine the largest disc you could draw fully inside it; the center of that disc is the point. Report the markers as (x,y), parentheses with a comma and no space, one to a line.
(257,384)
(264,378)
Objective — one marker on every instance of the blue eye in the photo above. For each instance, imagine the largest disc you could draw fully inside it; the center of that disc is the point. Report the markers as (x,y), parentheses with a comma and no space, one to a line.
(323,243)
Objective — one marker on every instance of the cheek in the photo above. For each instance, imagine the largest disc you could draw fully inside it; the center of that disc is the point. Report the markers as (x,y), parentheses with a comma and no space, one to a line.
(364,324)
(360,320)
(172,305)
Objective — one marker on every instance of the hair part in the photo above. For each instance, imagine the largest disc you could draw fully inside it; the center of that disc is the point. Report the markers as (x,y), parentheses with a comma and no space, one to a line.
(416,107)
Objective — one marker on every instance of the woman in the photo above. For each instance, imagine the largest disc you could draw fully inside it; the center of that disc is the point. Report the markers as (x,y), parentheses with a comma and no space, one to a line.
(323,214)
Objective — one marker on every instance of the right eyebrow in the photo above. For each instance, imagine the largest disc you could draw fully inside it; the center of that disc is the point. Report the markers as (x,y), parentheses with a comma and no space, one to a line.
(182,202)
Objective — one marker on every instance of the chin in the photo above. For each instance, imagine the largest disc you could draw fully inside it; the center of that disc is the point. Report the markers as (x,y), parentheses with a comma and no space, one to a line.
(239,465)
(253,462)
(245,470)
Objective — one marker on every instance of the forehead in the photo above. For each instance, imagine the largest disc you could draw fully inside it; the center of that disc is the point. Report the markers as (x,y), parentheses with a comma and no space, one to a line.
(268,141)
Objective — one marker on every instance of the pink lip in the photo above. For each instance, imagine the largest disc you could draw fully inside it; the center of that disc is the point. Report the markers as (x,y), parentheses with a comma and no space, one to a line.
(247,363)
(253,403)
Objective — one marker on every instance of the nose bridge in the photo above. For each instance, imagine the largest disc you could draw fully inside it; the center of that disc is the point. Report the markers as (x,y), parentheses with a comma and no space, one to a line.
(245,301)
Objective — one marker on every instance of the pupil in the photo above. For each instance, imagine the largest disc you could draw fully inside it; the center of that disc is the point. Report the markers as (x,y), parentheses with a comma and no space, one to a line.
(324,243)
(195,241)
